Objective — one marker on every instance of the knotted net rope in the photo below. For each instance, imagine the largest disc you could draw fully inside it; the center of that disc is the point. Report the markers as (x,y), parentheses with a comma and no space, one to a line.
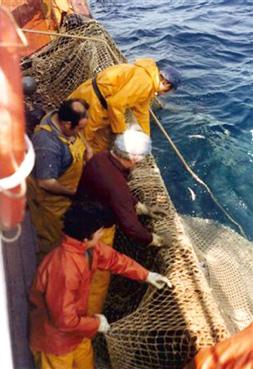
(61,66)
(210,266)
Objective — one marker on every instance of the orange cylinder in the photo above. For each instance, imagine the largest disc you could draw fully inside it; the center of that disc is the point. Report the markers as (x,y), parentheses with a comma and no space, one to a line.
(12,145)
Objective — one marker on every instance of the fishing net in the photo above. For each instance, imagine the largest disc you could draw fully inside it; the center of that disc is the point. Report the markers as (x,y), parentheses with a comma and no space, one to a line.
(210,266)
(66,62)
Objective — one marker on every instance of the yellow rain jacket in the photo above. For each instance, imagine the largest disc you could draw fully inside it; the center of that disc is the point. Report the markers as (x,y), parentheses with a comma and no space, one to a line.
(47,209)
(56,9)
(123,86)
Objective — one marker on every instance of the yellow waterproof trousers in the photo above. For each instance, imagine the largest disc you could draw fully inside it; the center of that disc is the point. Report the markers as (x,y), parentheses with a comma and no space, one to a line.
(80,358)
(101,280)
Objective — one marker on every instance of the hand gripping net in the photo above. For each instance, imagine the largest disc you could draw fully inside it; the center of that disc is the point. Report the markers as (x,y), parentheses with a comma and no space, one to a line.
(210,266)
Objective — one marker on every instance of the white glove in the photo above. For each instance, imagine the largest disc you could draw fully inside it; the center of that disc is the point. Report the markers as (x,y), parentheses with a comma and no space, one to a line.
(104,326)
(141,208)
(154,211)
(157,280)
(157,240)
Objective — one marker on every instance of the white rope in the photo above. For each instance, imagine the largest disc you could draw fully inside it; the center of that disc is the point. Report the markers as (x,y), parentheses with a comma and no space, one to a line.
(194,175)
(18,178)
(23,40)
(11,239)
(66,35)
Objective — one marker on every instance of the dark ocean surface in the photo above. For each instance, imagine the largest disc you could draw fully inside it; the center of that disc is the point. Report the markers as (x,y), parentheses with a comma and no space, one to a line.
(210,118)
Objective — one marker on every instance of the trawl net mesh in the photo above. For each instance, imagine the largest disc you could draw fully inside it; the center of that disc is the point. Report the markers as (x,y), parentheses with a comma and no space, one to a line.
(61,66)
(210,266)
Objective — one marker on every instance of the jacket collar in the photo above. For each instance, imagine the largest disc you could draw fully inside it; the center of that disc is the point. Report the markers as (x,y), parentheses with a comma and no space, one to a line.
(118,165)
(72,245)
(150,67)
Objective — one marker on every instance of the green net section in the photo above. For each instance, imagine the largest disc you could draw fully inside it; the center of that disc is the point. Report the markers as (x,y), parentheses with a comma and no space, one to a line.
(211,266)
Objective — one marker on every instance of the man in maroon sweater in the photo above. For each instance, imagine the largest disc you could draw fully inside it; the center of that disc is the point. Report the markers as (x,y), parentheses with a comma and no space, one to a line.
(104,179)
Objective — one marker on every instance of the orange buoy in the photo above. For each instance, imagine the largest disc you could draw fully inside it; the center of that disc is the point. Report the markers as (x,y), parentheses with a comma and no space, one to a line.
(12,139)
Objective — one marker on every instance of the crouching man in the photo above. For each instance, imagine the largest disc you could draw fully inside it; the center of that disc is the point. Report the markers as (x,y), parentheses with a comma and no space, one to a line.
(61,330)
(104,179)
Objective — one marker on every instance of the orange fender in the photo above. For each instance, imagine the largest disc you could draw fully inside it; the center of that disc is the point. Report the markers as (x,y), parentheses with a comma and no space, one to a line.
(235,352)
(12,144)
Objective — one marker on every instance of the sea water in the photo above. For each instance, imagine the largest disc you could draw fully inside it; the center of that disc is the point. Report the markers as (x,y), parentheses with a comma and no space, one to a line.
(210,117)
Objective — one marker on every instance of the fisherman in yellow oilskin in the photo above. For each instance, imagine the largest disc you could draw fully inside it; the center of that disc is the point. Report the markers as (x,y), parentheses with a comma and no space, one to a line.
(118,88)
(61,152)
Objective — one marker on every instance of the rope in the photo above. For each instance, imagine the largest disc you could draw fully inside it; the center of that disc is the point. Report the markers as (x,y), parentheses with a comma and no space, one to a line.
(194,175)
(59,34)
(23,41)
(18,178)
(13,238)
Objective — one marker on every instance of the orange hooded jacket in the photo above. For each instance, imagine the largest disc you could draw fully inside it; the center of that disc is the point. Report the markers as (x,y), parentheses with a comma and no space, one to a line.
(235,352)
(60,291)
(123,86)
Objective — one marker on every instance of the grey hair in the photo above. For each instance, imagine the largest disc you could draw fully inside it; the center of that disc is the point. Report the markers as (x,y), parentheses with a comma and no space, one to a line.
(121,154)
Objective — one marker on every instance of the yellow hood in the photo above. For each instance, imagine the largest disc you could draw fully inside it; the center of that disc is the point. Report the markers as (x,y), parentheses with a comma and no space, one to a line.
(151,68)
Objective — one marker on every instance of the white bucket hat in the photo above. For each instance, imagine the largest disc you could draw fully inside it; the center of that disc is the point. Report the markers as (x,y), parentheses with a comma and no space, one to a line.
(135,144)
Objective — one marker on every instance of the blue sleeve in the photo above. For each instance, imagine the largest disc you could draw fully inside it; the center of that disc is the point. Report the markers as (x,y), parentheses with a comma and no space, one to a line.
(49,153)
